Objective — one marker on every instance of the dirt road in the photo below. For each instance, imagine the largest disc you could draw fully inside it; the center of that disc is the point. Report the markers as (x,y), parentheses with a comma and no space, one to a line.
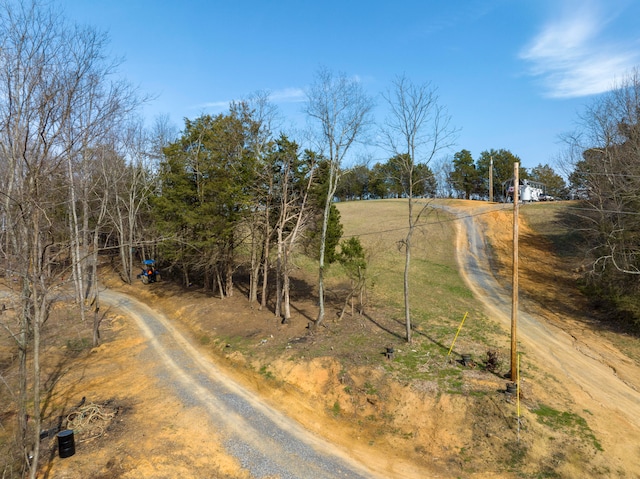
(265,442)
(601,381)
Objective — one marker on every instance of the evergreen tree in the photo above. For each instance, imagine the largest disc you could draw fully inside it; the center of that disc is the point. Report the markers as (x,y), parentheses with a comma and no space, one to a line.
(554,183)
(334,227)
(207,181)
(503,161)
(464,177)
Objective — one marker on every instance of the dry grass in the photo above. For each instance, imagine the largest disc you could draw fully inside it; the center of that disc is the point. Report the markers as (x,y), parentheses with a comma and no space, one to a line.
(436,288)
(439,298)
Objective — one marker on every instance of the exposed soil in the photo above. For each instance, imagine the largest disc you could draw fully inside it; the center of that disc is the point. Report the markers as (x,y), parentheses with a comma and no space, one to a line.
(573,361)
(144,429)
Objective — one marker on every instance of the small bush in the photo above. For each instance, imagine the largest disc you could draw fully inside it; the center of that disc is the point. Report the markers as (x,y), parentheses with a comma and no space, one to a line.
(77,345)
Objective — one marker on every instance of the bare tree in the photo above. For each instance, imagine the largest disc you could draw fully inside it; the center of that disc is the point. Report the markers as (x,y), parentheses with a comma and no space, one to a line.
(163,132)
(442,170)
(265,119)
(96,109)
(606,175)
(54,100)
(295,179)
(127,175)
(342,111)
(31,144)
(416,129)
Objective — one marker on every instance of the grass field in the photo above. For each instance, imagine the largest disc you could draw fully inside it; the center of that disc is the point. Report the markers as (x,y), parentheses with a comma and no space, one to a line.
(439,298)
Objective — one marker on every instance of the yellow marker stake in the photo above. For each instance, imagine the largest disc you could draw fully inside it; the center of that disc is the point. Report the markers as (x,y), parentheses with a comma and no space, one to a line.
(458,332)
(518,393)
(518,388)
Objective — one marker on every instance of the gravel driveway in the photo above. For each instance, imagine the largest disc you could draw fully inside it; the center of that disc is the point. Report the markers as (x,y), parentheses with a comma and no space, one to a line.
(265,442)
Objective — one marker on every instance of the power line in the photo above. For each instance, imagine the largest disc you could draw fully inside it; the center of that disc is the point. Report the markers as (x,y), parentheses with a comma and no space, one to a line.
(455,217)
(619,175)
(428,223)
(597,210)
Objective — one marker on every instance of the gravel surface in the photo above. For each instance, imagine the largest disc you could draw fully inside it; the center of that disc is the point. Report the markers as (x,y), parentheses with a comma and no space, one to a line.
(265,442)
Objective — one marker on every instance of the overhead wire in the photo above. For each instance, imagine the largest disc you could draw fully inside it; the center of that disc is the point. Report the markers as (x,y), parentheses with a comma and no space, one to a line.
(481,213)
(440,221)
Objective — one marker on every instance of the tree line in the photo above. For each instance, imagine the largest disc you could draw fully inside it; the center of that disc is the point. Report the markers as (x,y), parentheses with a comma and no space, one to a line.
(603,159)
(459,176)
(71,162)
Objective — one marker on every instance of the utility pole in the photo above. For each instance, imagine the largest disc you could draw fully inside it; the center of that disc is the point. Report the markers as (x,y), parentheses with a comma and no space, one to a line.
(491,179)
(514,302)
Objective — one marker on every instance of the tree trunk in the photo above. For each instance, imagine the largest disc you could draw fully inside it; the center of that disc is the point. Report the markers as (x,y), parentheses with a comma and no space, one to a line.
(74,229)
(22,369)
(84,247)
(33,468)
(220,287)
(279,276)
(323,243)
(96,290)
(254,271)
(229,278)
(286,284)
(407,263)
(39,308)
(265,276)
(285,297)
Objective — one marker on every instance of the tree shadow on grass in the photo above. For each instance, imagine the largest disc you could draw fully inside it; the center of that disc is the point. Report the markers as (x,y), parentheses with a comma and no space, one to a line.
(402,335)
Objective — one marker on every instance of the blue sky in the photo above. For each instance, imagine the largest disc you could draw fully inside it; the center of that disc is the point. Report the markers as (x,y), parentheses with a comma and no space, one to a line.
(513,74)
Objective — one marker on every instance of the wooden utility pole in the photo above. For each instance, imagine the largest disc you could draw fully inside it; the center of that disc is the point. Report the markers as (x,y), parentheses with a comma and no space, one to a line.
(491,179)
(514,303)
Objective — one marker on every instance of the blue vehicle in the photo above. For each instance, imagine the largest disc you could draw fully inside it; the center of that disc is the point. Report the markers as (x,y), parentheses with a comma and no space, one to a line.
(149,272)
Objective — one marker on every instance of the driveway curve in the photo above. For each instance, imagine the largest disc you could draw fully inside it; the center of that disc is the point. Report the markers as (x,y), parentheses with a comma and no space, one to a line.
(265,442)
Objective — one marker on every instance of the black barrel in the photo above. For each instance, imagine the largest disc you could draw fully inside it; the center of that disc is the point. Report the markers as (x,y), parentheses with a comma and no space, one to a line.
(66,443)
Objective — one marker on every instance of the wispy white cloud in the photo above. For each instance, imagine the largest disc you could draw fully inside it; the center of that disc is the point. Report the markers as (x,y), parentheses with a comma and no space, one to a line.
(452,16)
(285,95)
(288,95)
(572,56)
(214,105)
